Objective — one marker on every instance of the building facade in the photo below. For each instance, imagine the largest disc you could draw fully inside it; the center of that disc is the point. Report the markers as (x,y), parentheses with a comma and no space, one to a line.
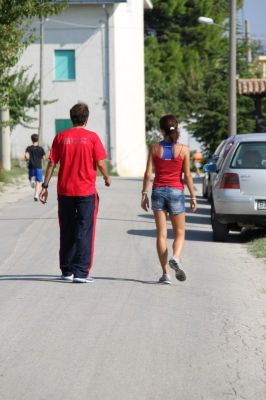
(93,52)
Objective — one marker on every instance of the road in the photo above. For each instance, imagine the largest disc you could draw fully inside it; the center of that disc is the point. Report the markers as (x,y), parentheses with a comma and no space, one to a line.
(125,336)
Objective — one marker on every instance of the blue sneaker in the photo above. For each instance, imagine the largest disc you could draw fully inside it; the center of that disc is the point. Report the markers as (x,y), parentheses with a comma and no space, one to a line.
(179,273)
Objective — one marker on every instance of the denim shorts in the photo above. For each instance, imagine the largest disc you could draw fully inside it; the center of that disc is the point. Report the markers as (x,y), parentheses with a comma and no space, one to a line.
(166,198)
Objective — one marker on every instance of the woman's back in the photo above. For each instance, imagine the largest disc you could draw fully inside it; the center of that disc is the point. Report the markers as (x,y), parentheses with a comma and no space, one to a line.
(168,159)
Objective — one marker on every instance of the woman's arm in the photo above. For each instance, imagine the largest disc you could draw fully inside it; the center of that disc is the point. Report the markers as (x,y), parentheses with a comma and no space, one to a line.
(189,180)
(146,182)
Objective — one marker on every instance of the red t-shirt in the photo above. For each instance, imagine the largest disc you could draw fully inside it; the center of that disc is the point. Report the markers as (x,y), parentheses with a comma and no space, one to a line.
(77,150)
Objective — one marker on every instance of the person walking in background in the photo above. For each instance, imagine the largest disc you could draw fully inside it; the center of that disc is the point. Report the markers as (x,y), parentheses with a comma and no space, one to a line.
(80,152)
(170,161)
(34,155)
(197,160)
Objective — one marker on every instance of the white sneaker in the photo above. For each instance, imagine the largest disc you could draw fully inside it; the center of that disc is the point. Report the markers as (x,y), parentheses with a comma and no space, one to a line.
(32,183)
(83,280)
(179,273)
(68,278)
(165,278)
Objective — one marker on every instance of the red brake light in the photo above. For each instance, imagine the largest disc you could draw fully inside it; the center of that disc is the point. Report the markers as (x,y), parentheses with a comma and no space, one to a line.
(230,181)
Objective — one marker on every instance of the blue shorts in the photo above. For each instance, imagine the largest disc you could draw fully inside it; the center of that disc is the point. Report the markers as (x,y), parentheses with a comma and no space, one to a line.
(166,198)
(37,173)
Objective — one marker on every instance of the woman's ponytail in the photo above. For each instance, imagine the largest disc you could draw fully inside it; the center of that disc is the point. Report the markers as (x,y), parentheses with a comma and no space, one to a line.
(168,123)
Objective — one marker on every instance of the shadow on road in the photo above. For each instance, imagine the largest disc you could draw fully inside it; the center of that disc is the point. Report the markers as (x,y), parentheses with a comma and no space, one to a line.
(107,278)
(198,219)
(191,234)
(57,279)
(42,278)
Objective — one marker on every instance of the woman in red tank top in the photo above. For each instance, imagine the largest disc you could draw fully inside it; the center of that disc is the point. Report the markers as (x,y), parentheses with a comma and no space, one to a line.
(170,162)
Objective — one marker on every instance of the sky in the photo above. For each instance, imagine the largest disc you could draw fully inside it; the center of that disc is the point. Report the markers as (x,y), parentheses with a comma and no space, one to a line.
(255,12)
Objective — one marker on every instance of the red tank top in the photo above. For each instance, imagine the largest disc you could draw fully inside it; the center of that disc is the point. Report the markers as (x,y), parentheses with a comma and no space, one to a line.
(168,172)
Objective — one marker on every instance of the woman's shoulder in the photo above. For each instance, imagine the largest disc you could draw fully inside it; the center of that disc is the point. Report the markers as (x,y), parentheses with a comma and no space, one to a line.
(181,148)
(155,147)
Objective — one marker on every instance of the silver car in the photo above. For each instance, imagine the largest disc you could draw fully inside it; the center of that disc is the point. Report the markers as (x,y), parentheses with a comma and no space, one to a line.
(239,187)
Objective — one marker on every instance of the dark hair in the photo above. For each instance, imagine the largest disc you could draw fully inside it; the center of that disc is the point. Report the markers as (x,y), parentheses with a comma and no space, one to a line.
(34,138)
(168,123)
(79,114)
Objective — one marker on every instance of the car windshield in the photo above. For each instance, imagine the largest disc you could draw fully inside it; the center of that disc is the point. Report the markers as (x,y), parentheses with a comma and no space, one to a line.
(250,155)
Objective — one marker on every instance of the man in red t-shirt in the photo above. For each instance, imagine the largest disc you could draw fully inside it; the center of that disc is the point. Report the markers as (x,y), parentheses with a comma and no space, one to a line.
(80,152)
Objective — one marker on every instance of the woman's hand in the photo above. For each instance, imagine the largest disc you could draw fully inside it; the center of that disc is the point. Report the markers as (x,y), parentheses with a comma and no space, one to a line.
(193,204)
(145,204)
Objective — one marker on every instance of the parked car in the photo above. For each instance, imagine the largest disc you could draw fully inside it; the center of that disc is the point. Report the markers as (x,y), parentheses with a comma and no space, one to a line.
(206,182)
(239,186)
(209,172)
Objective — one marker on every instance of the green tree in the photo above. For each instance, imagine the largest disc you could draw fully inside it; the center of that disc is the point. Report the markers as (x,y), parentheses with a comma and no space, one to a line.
(15,35)
(187,68)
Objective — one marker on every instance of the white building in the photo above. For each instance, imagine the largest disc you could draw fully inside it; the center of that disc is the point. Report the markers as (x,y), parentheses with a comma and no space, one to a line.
(94,52)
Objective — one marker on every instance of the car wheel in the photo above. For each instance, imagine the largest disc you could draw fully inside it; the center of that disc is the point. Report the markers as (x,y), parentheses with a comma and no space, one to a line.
(209,192)
(219,231)
(204,188)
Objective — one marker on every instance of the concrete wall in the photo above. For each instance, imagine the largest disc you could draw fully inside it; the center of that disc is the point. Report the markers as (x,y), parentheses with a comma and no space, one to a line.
(128,115)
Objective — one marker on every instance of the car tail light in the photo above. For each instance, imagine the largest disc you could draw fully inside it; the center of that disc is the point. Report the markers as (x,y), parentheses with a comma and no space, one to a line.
(230,181)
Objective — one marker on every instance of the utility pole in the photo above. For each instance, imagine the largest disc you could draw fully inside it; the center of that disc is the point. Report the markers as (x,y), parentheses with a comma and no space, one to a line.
(107,85)
(41,82)
(5,148)
(247,40)
(232,71)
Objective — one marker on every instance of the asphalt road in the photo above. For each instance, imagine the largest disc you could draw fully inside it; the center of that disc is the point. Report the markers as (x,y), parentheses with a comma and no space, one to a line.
(125,337)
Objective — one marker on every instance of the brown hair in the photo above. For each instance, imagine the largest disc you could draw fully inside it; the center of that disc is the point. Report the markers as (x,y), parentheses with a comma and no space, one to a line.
(79,114)
(168,123)
(34,138)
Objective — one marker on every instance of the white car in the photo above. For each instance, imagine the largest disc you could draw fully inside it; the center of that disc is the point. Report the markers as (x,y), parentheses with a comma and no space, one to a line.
(239,186)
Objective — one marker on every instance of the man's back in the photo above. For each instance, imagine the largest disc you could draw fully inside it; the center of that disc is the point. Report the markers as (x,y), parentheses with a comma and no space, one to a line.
(77,149)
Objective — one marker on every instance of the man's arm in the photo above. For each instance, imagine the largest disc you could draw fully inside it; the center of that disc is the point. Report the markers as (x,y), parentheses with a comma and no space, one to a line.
(48,174)
(101,165)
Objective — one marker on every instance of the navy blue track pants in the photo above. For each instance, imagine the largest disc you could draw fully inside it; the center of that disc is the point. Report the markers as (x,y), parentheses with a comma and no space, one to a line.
(77,221)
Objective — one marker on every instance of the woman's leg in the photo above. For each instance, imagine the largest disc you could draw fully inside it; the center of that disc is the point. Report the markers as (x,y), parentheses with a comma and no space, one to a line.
(178,224)
(161,241)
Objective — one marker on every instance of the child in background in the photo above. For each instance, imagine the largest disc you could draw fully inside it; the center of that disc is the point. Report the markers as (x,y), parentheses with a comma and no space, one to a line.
(34,154)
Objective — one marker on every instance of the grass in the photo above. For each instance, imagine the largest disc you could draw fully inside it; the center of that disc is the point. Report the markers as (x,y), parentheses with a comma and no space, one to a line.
(256,242)
(13,176)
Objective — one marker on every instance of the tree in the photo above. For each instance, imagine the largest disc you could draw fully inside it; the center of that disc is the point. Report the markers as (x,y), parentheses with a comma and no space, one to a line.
(15,35)
(187,68)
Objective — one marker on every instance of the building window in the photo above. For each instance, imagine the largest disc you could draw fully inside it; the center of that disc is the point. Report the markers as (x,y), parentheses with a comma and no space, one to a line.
(65,65)
(62,124)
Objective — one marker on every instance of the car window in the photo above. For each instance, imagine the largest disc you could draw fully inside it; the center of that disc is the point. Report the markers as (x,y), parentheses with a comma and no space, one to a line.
(219,148)
(224,150)
(250,155)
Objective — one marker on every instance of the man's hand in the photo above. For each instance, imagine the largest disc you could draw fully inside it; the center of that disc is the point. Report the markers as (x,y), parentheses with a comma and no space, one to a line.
(107,181)
(43,195)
